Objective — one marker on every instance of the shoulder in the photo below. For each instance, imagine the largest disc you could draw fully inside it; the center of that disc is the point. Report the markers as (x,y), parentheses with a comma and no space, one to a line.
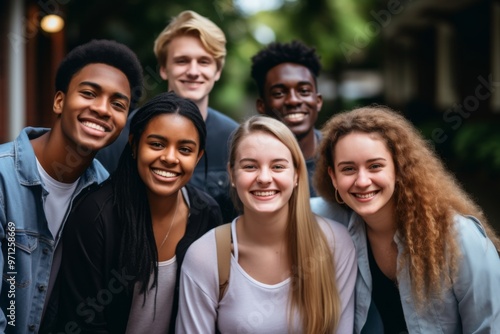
(332,211)
(197,196)
(201,256)
(218,119)
(97,170)
(472,237)
(96,202)
(336,234)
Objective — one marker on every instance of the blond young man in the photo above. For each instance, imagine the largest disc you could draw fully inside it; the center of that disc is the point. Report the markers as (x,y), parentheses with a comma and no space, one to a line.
(191,52)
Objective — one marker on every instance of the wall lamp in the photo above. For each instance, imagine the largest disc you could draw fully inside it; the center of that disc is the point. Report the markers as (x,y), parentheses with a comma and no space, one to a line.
(52,23)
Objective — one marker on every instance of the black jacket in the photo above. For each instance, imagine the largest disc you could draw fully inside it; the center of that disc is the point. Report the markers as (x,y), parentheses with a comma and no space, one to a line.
(94,294)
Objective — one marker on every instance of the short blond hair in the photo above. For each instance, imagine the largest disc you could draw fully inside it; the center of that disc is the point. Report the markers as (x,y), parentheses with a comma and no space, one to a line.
(191,23)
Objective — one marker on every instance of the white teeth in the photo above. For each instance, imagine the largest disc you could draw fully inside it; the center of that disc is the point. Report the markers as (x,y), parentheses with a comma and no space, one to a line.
(94,126)
(369,195)
(264,193)
(295,117)
(164,173)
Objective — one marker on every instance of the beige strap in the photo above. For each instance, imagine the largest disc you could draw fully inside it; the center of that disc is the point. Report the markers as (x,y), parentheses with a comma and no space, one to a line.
(223,241)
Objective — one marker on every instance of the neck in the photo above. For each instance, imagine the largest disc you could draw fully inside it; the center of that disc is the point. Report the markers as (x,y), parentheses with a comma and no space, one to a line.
(263,228)
(203,106)
(381,225)
(163,206)
(308,144)
(60,158)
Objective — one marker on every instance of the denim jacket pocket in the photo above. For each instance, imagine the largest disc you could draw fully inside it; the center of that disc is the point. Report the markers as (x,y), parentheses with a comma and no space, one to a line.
(23,258)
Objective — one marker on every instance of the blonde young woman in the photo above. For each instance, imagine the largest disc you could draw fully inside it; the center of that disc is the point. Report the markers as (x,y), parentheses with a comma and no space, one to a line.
(291,271)
(428,261)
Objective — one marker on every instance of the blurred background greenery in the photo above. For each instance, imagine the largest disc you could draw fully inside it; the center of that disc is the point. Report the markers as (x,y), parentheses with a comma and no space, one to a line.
(438,62)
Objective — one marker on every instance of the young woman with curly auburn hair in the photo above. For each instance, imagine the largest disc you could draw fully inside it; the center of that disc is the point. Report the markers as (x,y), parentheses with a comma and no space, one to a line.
(428,260)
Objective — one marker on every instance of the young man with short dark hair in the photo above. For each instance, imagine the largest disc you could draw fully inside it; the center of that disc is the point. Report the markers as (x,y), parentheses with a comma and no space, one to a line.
(44,171)
(286,77)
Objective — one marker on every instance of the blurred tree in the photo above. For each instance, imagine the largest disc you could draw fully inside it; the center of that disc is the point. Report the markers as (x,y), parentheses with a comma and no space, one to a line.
(324,24)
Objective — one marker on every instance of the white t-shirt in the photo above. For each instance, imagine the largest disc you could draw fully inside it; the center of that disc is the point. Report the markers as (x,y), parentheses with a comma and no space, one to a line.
(250,306)
(142,318)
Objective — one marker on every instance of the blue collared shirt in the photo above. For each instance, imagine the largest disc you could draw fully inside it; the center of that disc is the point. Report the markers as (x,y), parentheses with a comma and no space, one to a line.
(27,244)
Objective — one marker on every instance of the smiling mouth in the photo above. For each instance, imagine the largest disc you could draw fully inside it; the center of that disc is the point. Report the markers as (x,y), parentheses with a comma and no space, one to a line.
(94,126)
(366,196)
(265,193)
(295,117)
(164,173)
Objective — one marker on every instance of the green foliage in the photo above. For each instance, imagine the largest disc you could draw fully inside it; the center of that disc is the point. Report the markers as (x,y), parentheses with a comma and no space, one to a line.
(324,24)
(478,145)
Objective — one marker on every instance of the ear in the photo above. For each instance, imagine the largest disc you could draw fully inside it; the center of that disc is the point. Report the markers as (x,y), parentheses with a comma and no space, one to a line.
(332,176)
(230,173)
(260,106)
(295,179)
(217,74)
(200,154)
(58,102)
(319,102)
(163,73)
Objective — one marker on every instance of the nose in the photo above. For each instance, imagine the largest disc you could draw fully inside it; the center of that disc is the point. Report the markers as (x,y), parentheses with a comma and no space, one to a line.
(193,69)
(169,157)
(292,98)
(100,105)
(264,176)
(363,179)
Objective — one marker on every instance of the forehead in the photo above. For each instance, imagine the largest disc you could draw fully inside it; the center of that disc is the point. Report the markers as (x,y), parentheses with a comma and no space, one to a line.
(103,75)
(289,73)
(263,145)
(171,124)
(362,143)
(187,45)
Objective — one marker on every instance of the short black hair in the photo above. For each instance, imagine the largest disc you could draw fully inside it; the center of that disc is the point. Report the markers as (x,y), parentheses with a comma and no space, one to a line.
(106,52)
(277,53)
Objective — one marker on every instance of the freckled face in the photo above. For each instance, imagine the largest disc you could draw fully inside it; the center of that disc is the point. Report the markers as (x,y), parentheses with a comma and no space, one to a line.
(364,174)
(167,154)
(264,174)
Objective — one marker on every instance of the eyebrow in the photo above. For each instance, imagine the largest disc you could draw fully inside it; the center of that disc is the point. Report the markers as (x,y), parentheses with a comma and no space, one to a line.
(300,83)
(98,87)
(254,160)
(182,141)
(352,162)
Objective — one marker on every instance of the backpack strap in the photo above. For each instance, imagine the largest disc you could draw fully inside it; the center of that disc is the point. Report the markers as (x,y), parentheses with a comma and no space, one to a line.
(223,242)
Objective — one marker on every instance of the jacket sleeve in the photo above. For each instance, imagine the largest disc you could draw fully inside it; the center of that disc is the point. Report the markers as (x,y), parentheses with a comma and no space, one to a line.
(85,289)
(477,287)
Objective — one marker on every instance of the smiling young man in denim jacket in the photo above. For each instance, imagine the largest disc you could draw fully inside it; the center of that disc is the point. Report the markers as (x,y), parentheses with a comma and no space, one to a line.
(43,171)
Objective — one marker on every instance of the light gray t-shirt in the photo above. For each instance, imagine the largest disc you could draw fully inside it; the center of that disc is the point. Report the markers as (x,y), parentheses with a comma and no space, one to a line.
(143,318)
(55,207)
(249,306)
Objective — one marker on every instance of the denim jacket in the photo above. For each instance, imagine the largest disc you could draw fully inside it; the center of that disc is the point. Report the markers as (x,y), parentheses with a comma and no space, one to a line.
(470,305)
(26,242)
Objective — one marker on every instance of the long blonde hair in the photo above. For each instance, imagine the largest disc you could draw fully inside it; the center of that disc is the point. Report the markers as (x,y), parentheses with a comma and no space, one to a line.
(427,196)
(313,290)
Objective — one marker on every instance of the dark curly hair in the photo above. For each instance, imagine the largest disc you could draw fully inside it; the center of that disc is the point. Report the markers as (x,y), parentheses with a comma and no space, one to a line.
(278,53)
(106,52)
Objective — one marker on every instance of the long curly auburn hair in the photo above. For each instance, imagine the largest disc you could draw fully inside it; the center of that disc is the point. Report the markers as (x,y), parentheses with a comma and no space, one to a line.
(427,196)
